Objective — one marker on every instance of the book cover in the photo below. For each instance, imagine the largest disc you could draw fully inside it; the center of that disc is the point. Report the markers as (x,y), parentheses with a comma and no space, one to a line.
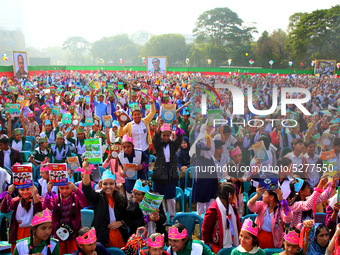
(334,129)
(215,117)
(107,121)
(55,110)
(88,122)
(327,140)
(130,171)
(67,118)
(58,174)
(96,120)
(73,163)
(168,112)
(260,151)
(93,150)
(114,150)
(151,202)
(14,110)
(22,176)
(329,167)
(122,116)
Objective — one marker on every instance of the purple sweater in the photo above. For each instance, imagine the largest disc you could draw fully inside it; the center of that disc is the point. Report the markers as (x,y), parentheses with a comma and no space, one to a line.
(52,204)
(329,222)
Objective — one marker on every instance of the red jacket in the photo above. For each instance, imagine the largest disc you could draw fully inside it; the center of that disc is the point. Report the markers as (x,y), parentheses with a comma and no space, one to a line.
(211,223)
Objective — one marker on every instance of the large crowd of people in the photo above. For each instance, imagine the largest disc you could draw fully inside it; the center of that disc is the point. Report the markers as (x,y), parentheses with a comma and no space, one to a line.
(158,131)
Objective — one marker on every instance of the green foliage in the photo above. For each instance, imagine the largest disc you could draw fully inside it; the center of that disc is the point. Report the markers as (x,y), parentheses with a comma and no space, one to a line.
(315,34)
(171,45)
(77,47)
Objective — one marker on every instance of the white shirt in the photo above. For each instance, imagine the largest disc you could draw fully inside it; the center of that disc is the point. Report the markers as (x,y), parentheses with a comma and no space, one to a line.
(227,143)
(297,162)
(7,159)
(139,135)
(313,175)
(219,165)
(166,151)
(267,221)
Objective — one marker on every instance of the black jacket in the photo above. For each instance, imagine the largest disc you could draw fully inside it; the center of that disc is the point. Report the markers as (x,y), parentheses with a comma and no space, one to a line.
(102,215)
(160,172)
(135,218)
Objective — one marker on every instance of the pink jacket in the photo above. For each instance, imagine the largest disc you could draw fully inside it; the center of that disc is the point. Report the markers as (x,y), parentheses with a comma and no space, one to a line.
(299,207)
(111,163)
(260,208)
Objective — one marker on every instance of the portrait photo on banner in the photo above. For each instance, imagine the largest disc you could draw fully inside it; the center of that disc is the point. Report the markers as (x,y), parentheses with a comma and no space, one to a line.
(20,64)
(156,64)
(324,67)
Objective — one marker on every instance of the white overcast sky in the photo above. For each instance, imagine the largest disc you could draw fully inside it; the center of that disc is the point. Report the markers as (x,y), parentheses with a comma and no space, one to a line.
(49,23)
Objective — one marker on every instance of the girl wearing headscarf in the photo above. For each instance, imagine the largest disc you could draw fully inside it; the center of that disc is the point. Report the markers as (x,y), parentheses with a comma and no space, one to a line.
(318,239)
(183,160)
(204,149)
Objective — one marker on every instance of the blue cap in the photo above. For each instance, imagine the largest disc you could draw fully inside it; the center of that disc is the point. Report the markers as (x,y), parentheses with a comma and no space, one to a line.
(48,122)
(108,175)
(138,186)
(298,186)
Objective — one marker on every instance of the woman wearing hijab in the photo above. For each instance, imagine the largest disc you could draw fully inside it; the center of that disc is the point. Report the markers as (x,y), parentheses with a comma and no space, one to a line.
(204,149)
(183,160)
(318,239)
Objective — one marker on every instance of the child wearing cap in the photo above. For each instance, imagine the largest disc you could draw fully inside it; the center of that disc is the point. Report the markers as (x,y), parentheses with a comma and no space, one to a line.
(16,139)
(271,215)
(109,209)
(249,243)
(165,175)
(41,152)
(40,241)
(78,142)
(152,221)
(87,243)
(51,130)
(59,151)
(222,212)
(181,244)
(130,155)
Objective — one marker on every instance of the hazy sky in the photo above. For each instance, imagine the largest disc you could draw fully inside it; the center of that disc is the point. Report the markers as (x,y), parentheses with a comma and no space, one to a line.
(49,23)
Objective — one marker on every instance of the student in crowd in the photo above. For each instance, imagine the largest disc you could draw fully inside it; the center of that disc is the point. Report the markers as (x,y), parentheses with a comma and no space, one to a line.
(237,177)
(87,243)
(45,178)
(139,128)
(291,242)
(183,161)
(249,243)
(181,244)
(78,142)
(8,156)
(39,241)
(130,155)
(165,175)
(136,217)
(312,161)
(41,152)
(222,215)
(155,245)
(271,216)
(302,203)
(59,151)
(109,209)
(66,207)
(23,207)
(17,139)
